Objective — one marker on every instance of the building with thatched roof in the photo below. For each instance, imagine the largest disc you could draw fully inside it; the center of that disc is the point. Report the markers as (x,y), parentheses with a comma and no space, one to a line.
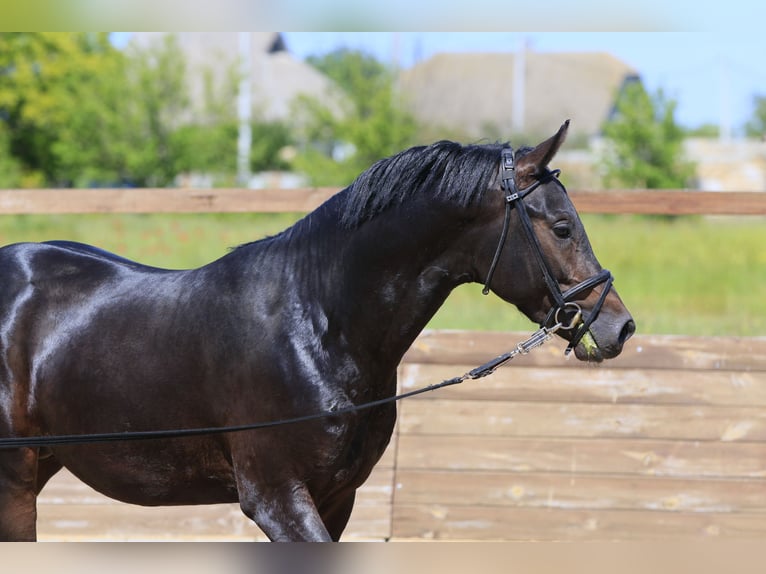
(497,95)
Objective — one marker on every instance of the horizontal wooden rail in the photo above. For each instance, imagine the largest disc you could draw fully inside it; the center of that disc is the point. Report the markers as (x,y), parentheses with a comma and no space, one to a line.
(179,200)
(671,202)
(161,200)
(669,352)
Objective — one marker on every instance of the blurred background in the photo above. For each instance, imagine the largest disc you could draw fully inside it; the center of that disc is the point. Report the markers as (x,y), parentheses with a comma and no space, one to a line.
(292,110)
(158,109)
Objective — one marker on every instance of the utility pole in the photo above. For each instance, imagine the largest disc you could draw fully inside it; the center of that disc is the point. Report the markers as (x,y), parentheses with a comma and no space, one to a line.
(724,126)
(518,105)
(244,109)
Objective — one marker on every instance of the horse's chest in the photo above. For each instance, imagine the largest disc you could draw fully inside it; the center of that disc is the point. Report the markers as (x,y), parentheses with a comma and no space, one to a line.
(361,445)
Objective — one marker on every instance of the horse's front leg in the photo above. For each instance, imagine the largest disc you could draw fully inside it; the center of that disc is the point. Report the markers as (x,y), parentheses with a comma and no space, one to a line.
(285,512)
(272,490)
(18,495)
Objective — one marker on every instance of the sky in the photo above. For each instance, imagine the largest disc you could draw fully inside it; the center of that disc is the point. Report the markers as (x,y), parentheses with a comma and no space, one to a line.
(712,76)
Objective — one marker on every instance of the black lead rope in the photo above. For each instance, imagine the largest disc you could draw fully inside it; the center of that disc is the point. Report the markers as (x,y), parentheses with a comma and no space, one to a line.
(58,440)
(535,340)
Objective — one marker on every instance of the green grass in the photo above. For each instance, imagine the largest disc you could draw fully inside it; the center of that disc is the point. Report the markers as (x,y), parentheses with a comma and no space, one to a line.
(689,275)
(174,241)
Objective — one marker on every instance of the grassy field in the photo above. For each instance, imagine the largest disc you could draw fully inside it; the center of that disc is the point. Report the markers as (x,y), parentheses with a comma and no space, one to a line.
(689,275)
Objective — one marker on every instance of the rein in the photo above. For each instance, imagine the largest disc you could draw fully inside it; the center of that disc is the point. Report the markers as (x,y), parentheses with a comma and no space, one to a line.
(515,198)
(566,315)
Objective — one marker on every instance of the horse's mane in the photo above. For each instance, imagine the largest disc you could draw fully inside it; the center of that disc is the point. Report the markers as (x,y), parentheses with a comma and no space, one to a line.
(448,170)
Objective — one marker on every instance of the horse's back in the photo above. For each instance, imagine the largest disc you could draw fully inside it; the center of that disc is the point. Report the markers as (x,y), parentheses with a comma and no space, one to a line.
(34,261)
(92,251)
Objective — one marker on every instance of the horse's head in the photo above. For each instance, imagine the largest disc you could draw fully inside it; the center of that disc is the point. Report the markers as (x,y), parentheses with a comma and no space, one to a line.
(549,270)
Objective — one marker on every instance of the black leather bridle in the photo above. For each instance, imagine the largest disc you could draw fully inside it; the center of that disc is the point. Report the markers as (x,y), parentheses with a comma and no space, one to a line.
(563,302)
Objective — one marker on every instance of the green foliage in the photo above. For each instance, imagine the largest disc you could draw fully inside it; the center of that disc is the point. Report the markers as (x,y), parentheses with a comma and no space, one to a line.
(645,145)
(78,112)
(756,127)
(48,83)
(157,85)
(366,123)
(204,148)
(177,241)
(10,169)
(270,138)
(711,131)
(74,111)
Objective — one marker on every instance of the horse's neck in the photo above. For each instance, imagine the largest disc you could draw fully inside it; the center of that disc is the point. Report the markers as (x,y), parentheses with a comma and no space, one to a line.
(383,281)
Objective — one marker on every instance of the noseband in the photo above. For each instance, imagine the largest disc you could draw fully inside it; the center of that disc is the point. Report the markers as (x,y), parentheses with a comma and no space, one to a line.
(563,302)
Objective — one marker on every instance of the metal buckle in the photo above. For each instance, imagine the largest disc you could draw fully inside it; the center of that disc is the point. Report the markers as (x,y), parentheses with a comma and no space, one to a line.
(508,160)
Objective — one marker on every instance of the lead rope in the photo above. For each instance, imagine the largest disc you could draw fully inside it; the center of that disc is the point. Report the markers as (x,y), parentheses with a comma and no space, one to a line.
(537,339)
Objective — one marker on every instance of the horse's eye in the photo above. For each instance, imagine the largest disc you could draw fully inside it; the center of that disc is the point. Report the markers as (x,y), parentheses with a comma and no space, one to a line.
(562,230)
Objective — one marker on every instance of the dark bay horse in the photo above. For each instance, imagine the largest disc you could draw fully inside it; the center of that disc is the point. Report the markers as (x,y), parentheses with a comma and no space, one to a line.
(314,319)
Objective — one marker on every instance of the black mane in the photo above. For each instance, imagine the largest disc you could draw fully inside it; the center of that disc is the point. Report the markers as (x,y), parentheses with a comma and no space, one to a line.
(449,170)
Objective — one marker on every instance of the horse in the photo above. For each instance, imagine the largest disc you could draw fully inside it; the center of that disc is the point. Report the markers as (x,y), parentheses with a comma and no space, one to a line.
(313,319)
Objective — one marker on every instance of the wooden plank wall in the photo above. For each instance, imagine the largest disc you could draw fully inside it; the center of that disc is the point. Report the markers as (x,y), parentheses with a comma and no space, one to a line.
(667,441)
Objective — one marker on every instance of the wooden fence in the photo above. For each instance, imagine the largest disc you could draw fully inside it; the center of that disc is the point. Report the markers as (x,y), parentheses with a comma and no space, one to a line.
(177,200)
(668,441)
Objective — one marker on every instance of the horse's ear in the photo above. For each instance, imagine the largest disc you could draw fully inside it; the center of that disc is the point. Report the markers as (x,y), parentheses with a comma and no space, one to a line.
(533,164)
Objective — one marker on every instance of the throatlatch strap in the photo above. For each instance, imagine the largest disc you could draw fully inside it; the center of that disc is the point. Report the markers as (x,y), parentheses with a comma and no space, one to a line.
(499,250)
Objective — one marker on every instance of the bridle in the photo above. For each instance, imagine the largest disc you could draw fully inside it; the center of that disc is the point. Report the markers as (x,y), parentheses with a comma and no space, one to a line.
(563,302)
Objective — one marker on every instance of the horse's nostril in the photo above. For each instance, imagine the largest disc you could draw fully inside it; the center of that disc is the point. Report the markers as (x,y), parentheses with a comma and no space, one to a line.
(627,331)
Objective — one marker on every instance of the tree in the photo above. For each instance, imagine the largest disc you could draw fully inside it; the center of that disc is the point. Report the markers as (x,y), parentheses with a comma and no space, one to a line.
(644,143)
(46,79)
(157,106)
(10,170)
(370,123)
(75,111)
(756,127)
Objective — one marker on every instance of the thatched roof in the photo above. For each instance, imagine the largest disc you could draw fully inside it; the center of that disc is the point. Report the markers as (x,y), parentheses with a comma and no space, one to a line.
(474,93)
